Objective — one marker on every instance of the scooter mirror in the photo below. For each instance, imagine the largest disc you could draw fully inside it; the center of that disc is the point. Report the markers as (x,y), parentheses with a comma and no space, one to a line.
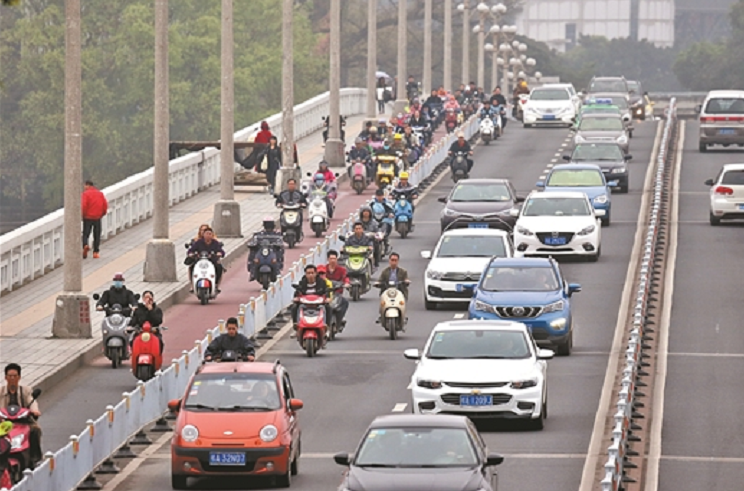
(136,296)
(96,296)
(186,246)
(36,393)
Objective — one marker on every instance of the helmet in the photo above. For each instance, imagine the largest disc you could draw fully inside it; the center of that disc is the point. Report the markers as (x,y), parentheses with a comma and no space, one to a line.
(118,277)
(321,268)
(373,129)
(398,136)
(404,175)
(268,223)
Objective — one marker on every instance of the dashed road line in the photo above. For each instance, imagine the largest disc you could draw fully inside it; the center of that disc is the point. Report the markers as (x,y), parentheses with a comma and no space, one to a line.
(459,316)
(400,407)
(708,355)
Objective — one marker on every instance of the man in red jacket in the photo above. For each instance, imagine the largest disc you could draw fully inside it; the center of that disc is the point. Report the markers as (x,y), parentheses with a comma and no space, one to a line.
(94,208)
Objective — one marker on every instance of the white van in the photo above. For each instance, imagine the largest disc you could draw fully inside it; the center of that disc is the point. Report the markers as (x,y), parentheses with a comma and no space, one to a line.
(722,119)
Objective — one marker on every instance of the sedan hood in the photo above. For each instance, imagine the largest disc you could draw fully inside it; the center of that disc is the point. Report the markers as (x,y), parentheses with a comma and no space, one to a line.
(475,371)
(555,224)
(549,106)
(478,207)
(408,479)
(471,266)
(590,191)
(524,299)
(243,425)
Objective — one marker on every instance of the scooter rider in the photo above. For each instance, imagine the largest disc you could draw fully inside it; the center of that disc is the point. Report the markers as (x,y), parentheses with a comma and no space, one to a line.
(396,274)
(212,246)
(269,231)
(118,294)
(405,188)
(360,152)
(14,394)
(461,145)
(369,224)
(389,212)
(319,184)
(488,111)
(336,272)
(232,340)
(327,173)
(148,311)
(310,284)
(291,195)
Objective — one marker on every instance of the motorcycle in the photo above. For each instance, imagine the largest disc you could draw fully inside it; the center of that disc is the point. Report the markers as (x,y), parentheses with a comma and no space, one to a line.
(385,170)
(113,330)
(327,121)
(384,223)
(266,261)
(318,212)
(311,323)
(392,309)
(337,326)
(146,357)
(359,176)
(19,456)
(487,130)
(403,215)
(358,269)
(290,221)
(451,120)
(203,279)
(459,166)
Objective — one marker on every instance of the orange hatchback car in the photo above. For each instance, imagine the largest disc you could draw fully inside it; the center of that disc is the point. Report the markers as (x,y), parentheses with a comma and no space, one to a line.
(236,419)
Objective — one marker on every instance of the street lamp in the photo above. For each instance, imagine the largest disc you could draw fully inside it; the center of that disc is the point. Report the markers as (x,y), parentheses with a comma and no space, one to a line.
(483,11)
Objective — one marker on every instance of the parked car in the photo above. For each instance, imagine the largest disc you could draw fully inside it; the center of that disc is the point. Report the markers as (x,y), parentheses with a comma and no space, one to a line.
(480,203)
(583,178)
(722,119)
(608,157)
(727,194)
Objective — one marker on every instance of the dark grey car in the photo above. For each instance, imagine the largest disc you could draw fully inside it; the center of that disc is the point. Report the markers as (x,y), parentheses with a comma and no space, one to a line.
(415,452)
(480,203)
(608,156)
(595,128)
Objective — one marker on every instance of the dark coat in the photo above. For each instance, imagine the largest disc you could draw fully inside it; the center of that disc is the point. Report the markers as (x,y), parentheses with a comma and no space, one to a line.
(225,342)
(142,315)
(402,276)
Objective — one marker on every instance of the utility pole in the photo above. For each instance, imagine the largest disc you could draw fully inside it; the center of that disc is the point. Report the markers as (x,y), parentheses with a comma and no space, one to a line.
(465,41)
(334,147)
(371,59)
(427,49)
(72,308)
(226,221)
(288,170)
(160,257)
(401,100)
(447,45)
(482,12)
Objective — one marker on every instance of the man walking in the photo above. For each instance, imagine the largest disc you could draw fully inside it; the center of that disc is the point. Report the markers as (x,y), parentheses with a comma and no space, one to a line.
(94,208)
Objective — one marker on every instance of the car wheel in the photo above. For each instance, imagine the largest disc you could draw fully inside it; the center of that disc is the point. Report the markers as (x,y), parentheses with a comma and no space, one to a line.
(714,220)
(606,221)
(564,349)
(703,147)
(295,467)
(428,305)
(539,423)
(595,257)
(178,482)
(285,480)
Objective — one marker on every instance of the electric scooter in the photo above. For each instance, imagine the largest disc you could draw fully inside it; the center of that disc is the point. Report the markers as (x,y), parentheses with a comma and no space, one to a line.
(290,221)
(204,278)
(146,356)
(113,330)
(392,309)
(311,323)
(359,176)
(19,457)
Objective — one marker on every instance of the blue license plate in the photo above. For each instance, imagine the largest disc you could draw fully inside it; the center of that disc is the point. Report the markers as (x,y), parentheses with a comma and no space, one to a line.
(226,458)
(476,400)
(741,206)
(727,131)
(549,116)
(477,225)
(465,287)
(555,240)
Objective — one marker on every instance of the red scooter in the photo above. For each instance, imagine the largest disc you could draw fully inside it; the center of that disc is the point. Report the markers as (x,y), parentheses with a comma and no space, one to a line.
(450,120)
(146,357)
(311,324)
(19,456)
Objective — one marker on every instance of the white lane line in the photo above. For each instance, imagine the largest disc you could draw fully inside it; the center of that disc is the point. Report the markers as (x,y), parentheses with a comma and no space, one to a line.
(557,155)
(596,443)
(410,386)
(542,177)
(138,461)
(563,145)
(657,419)
(400,407)
(552,163)
(708,355)
(459,316)
(339,352)
(720,460)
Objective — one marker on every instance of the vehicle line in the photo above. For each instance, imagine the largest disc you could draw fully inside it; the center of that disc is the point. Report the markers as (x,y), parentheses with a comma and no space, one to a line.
(557,155)
(708,355)
(136,462)
(589,473)
(552,163)
(651,482)
(400,407)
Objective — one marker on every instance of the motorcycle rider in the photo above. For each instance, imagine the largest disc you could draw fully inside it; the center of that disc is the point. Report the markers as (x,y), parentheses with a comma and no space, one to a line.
(117,294)
(232,340)
(319,184)
(310,284)
(14,394)
(380,199)
(367,219)
(269,231)
(498,100)
(208,244)
(519,89)
(461,145)
(360,152)
(148,311)
(336,272)
(396,274)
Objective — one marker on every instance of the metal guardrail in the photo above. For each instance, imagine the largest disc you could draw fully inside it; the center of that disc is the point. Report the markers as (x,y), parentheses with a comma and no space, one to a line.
(93,448)
(623,427)
(37,248)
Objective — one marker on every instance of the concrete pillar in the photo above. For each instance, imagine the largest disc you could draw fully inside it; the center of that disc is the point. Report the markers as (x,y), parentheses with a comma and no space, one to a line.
(334,147)
(72,308)
(226,221)
(481,81)
(288,170)
(494,64)
(402,98)
(160,256)
(447,82)
(371,59)
(426,82)
(465,42)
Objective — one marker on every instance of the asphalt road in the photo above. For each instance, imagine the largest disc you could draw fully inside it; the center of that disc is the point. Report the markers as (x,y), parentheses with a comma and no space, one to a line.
(363,374)
(703,435)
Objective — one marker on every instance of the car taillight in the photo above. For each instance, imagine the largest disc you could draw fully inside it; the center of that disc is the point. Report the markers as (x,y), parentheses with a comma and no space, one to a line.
(718,119)
(724,190)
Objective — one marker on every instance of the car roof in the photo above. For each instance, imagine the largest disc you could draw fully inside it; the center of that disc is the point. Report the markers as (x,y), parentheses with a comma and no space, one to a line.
(476,231)
(608,77)
(563,86)
(725,93)
(419,420)
(597,144)
(599,95)
(483,181)
(482,324)
(557,194)
(576,167)
(525,261)
(728,167)
(238,367)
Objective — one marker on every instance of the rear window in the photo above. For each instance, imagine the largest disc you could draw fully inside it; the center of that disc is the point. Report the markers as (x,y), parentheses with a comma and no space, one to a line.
(729,105)
(735,177)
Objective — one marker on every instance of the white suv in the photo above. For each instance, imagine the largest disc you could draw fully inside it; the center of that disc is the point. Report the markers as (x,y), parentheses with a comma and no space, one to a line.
(727,194)
(550,105)
(722,119)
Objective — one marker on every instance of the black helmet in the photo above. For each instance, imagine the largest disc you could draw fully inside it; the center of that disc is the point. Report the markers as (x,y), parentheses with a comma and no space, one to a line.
(268,223)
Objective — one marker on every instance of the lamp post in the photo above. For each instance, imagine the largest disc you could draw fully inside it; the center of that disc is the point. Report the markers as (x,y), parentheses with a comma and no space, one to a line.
(507,33)
(464,7)
(483,11)
(447,82)
(288,169)
(334,147)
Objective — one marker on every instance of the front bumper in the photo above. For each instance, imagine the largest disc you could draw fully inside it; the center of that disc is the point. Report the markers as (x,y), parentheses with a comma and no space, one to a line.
(187,461)
(578,245)
(500,222)
(448,291)
(540,119)
(507,403)
(540,327)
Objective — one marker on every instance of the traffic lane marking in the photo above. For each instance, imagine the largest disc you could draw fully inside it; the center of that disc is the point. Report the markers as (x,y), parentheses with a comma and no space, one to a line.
(708,355)
(400,407)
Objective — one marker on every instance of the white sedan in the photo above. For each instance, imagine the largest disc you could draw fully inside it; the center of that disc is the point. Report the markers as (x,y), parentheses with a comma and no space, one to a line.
(482,369)
(727,194)
(458,261)
(549,106)
(558,223)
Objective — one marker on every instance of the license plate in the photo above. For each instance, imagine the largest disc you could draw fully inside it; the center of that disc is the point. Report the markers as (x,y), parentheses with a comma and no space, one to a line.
(226,458)
(464,287)
(555,240)
(741,206)
(549,116)
(477,225)
(473,400)
(727,131)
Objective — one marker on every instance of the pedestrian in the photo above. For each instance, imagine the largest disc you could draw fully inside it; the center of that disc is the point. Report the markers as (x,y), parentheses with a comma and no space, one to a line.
(270,162)
(264,135)
(94,207)
(381,95)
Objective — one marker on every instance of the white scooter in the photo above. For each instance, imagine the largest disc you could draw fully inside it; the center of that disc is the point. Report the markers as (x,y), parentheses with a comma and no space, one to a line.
(318,213)
(204,279)
(487,130)
(392,310)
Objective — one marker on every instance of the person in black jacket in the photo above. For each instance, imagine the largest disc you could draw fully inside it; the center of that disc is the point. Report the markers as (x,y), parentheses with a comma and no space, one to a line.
(148,311)
(310,284)
(117,294)
(233,341)
(273,154)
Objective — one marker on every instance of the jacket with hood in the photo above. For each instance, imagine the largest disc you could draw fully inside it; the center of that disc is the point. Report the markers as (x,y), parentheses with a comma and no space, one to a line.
(371,224)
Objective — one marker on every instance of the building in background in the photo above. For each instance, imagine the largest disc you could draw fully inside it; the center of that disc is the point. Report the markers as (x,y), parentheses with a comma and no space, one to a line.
(700,20)
(560,23)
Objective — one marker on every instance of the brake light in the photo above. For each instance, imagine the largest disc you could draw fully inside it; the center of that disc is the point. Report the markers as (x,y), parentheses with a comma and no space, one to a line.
(724,191)
(718,119)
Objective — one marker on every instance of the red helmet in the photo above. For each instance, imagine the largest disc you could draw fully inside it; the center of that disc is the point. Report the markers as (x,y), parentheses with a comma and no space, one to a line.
(321,269)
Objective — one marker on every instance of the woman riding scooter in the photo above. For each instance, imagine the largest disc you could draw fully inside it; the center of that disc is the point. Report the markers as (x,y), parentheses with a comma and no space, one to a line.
(148,311)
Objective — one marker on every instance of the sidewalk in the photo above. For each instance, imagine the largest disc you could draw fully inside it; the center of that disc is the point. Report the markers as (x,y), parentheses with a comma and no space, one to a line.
(27,313)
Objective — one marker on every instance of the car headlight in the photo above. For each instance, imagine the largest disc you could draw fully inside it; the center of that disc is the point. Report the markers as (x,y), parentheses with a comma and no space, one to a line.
(559,324)
(524,384)
(601,199)
(622,139)
(268,433)
(434,275)
(429,384)
(523,230)
(189,433)
(618,170)
(449,213)
(554,307)
(483,306)
(17,441)
(587,230)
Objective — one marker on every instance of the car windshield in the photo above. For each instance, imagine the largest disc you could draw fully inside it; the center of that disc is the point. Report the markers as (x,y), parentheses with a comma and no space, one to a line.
(554,206)
(733,177)
(416,447)
(480,192)
(233,392)
(522,279)
(592,152)
(613,85)
(728,105)
(549,95)
(478,344)
(601,124)
(575,178)
(471,246)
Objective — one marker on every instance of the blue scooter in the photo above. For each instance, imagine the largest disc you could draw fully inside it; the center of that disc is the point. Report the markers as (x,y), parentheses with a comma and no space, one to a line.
(268,259)
(403,211)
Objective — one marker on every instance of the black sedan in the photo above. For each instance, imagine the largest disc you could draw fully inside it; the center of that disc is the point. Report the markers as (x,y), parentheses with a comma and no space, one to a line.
(414,452)
(480,203)
(608,156)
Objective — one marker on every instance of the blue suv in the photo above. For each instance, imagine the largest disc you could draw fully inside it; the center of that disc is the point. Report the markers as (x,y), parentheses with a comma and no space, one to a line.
(584,178)
(531,291)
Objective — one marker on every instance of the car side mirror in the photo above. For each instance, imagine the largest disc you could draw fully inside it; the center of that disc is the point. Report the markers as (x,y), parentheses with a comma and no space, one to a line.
(309,174)
(342,238)
(494,459)
(545,354)
(295,404)
(514,213)
(295,285)
(342,458)
(628,157)
(573,288)
(567,158)
(540,184)
(96,296)
(137,296)
(412,354)
(709,182)
(174,405)
(599,213)
(426,254)
(442,199)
